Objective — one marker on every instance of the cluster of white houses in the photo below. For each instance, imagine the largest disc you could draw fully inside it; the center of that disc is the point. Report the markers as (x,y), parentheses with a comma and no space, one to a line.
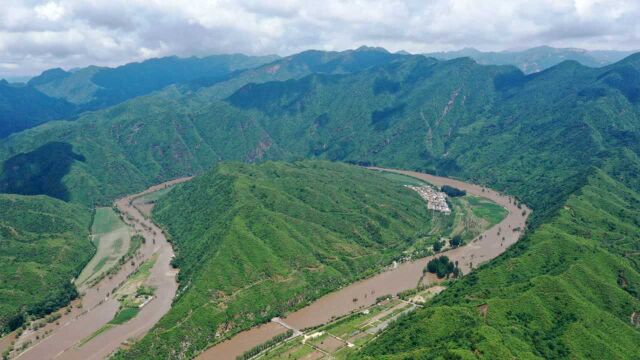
(436,200)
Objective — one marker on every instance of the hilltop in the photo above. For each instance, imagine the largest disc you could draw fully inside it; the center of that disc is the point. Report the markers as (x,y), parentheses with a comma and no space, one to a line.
(564,140)
(255,241)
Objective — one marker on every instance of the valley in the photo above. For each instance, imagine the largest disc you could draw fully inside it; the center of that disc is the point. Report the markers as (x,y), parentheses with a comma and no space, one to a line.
(118,304)
(290,225)
(405,276)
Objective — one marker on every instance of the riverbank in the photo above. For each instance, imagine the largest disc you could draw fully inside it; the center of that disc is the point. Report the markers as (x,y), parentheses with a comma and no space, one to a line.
(98,304)
(364,293)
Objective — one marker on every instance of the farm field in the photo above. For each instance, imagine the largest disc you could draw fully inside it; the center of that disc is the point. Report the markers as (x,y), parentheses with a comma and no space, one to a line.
(112,239)
(344,336)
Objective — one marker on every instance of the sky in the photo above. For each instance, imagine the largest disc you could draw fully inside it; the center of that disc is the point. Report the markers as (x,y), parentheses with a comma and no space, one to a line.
(39,34)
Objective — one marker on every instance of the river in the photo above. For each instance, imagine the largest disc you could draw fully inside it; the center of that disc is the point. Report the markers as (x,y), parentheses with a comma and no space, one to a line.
(98,308)
(406,276)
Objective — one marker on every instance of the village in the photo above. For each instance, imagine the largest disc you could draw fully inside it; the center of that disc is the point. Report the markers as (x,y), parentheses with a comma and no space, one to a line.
(436,200)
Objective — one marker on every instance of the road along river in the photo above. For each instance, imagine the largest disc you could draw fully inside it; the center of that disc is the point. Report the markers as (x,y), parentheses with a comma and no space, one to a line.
(485,247)
(99,305)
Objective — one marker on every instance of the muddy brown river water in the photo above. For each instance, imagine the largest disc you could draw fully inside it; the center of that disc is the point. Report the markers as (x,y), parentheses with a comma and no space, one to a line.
(98,308)
(405,276)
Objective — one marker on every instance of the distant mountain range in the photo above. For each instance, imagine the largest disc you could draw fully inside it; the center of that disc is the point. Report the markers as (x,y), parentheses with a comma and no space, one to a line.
(564,140)
(536,59)
(58,94)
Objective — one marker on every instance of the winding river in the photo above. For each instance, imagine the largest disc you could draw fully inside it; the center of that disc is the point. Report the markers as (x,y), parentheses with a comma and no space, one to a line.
(98,308)
(64,340)
(490,244)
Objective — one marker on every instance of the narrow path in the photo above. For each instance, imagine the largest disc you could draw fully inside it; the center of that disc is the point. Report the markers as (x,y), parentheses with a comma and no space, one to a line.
(491,243)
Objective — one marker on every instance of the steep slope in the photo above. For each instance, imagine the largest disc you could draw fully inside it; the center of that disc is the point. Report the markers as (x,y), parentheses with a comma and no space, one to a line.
(98,87)
(43,245)
(57,94)
(254,241)
(536,59)
(23,107)
(165,135)
(571,289)
(490,124)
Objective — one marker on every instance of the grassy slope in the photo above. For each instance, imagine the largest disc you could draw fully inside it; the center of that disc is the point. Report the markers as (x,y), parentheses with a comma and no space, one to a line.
(567,291)
(254,242)
(43,245)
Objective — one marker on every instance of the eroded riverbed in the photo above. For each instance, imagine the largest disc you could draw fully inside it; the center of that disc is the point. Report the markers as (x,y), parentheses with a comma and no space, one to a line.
(485,247)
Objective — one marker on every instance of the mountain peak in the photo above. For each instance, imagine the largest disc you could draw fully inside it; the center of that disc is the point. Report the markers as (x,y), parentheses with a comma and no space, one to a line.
(372,48)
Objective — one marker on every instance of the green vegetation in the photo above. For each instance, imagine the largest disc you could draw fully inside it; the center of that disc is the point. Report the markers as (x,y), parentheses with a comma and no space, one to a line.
(486,210)
(567,290)
(124,314)
(452,191)
(112,238)
(565,141)
(254,242)
(260,348)
(537,58)
(442,267)
(43,246)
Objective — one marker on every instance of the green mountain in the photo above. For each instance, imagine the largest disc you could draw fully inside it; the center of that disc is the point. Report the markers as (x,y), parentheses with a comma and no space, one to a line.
(95,87)
(255,241)
(57,94)
(569,290)
(44,243)
(536,59)
(23,107)
(565,140)
(155,137)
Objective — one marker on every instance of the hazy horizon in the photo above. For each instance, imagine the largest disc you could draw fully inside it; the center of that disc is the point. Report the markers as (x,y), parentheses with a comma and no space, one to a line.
(40,34)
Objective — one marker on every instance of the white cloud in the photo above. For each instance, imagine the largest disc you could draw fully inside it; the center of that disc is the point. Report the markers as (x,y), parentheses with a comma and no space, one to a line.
(39,34)
(50,11)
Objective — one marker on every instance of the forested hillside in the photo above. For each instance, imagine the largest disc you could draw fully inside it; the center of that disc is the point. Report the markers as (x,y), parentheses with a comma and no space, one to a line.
(255,241)
(43,245)
(23,107)
(57,94)
(564,140)
(95,87)
(570,289)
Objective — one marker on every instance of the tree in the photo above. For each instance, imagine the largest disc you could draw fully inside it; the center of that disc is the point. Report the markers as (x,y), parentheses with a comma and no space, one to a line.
(456,241)
(452,191)
(437,246)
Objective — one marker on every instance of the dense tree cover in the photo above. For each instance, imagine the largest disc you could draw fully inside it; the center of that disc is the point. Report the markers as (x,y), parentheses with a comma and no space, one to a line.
(57,94)
(95,87)
(255,241)
(567,290)
(452,191)
(442,267)
(23,107)
(171,133)
(43,246)
(547,138)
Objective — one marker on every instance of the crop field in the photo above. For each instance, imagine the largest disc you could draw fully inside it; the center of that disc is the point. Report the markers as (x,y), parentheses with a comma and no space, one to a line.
(112,238)
(343,336)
